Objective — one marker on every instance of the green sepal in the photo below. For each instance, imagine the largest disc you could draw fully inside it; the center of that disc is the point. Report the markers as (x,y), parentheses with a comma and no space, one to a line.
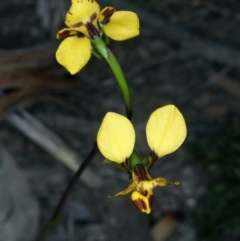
(100,47)
(98,56)
(147,161)
(107,40)
(134,159)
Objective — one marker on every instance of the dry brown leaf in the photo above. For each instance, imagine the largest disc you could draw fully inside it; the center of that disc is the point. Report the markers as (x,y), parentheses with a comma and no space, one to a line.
(10,101)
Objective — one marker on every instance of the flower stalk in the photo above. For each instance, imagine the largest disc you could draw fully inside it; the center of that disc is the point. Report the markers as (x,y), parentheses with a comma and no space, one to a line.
(118,73)
(106,53)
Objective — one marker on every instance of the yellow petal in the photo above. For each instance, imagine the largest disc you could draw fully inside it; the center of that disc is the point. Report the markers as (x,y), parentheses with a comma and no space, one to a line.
(142,202)
(82,12)
(125,191)
(73,53)
(105,14)
(166,130)
(116,137)
(122,25)
(161,182)
(149,185)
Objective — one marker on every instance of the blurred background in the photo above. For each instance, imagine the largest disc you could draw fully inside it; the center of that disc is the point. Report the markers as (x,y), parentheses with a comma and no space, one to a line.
(188,54)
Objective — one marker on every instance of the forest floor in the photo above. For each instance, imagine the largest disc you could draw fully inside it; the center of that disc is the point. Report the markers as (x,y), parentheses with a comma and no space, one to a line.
(188,54)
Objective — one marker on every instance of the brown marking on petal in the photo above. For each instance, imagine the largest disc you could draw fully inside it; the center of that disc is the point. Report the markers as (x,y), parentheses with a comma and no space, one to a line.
(140,172)
(79,34)
(69,13)
(154,158)
(92,30)
(77,25)
(140,204)
(107,15)
(125,166)
(143,192)
(93,16)
(108,12)
(64,34)
(150,200)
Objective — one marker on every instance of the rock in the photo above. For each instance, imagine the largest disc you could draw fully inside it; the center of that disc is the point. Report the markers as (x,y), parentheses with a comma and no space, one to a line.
(19,211)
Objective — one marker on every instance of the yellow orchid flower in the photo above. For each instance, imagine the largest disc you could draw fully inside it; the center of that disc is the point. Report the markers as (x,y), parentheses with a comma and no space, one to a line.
(86,23)
(165,130)
(142,188)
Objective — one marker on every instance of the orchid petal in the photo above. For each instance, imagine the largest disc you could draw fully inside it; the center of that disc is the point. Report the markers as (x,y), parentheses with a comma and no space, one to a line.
(125,191)
(74,53)
(122,25)
(165,130)
(116,137)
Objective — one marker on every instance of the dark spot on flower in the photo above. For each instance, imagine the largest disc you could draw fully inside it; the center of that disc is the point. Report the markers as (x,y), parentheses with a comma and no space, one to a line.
(79,34)
(92,30)
(140,204)
(64,34)
(143,192)
(154,157)
(107,15)
(140,172)
(125,165)
(108,12)
(93,16)
(150,200)
(69,12)
(77,25)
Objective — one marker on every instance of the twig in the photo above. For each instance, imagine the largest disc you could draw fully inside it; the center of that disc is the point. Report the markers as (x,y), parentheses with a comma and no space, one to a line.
(76,176)
(55,215)
(49,141)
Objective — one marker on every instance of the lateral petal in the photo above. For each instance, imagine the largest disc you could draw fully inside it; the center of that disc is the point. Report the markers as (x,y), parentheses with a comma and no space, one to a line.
(116,137)
(66,32)
(74,53)
(124,192)
(165,130)
(122,25)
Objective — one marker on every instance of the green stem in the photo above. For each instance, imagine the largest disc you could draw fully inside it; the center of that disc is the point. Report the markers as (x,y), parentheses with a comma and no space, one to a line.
(117,71)
(50,225)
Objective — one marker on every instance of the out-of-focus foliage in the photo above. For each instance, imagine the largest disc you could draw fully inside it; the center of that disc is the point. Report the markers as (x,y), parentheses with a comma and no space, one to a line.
(217,216)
